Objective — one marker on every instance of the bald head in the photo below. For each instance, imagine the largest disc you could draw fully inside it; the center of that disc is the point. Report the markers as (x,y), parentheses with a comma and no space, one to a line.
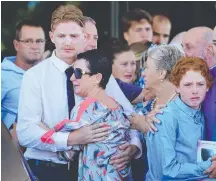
(214,43)
(214,34)
(196,41)
(178,38)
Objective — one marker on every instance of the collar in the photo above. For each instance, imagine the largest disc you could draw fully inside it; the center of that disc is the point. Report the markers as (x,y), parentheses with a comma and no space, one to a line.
(60,64)
(194,113)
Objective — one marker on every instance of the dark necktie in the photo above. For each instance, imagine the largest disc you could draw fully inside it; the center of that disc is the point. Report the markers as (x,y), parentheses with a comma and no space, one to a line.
(71,102)
(70,91)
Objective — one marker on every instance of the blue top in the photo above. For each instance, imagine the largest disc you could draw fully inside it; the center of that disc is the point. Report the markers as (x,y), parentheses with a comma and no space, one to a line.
(172,151)
(10,82)
(140,81)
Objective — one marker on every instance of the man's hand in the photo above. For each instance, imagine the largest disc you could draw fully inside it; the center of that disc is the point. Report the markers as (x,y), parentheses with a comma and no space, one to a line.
(150,118)
(138,122)
(212,169)
(89,134)
(121,160)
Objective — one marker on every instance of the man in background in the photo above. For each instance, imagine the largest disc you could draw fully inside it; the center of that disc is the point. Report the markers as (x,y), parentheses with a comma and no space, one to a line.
(137,26)
(161,29)
(91,33)
(29,44)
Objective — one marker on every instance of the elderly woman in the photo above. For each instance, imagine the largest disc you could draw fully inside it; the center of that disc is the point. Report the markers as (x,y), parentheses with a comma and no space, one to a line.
(91,74)
(159,64)
(172,150)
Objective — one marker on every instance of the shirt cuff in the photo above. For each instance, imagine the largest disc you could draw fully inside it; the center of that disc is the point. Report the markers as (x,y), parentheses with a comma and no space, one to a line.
(60,140)
(136,141)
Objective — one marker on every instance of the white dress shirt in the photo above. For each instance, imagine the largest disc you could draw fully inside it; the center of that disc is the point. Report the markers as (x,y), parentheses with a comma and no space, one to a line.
(43,97)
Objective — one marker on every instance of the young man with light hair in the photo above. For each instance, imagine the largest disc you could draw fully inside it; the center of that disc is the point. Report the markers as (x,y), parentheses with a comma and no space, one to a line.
(43,99)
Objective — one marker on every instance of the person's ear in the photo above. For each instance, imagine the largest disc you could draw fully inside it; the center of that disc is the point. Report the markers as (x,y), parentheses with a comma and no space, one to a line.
(16,45)
(126,36)
(209,52)
(98,78)
(162,75)
(51,34)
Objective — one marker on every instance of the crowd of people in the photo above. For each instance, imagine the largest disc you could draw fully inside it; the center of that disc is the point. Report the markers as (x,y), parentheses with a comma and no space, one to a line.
(120,112)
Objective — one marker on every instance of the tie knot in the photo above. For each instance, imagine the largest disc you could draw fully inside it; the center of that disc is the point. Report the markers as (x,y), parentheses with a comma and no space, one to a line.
(69,72)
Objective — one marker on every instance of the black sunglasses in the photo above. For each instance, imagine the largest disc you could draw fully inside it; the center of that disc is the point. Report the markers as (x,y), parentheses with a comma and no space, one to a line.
(78,73)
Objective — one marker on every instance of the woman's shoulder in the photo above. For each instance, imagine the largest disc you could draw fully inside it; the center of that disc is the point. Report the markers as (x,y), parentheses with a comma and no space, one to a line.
(170,113)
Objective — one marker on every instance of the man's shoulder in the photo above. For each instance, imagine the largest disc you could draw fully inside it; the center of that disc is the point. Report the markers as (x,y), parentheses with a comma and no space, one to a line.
(10,72)
(8,65)
(40,67)
(213,72)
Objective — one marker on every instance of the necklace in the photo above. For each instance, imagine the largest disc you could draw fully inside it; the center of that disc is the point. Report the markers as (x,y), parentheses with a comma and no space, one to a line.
(154,101)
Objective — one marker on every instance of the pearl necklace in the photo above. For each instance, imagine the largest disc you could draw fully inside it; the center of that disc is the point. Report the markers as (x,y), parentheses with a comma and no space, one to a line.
(154,101)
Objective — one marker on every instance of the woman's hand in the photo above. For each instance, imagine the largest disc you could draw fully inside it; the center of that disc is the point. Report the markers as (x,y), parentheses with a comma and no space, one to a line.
(89,134)
(127,153)
(138,122)
(150,118)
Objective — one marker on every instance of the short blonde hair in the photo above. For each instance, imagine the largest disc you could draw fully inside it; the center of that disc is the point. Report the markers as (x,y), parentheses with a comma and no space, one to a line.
(66,13)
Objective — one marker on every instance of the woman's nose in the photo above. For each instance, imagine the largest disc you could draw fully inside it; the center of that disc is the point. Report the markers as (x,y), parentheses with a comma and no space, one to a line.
(72,77)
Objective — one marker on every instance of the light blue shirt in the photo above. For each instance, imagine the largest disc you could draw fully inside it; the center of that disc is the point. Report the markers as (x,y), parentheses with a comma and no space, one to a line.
(10,82)
(172,151)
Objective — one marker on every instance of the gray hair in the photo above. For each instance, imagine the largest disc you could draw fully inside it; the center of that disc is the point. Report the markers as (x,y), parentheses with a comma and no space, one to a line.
(88,19)
(165,57)
(208,36)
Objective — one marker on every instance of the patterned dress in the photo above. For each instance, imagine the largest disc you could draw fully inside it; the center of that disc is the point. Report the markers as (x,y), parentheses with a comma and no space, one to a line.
(95,157)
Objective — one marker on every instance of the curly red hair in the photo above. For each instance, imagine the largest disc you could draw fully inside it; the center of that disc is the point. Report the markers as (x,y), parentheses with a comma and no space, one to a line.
(186,64)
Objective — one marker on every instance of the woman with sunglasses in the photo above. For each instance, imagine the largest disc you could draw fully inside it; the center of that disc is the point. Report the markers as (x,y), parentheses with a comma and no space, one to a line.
(91,72)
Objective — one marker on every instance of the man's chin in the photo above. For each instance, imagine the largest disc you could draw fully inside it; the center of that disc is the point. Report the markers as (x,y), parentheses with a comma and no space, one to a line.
(33,61)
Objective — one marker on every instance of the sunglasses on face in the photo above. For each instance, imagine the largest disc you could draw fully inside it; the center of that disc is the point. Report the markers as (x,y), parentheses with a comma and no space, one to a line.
(78,73)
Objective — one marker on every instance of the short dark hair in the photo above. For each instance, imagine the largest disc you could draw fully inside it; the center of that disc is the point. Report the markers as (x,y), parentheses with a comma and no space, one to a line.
(113,47)
(134,15)
(97,62)
(26,22)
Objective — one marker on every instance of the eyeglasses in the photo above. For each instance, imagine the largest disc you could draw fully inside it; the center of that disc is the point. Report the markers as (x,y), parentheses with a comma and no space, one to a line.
(30,42)
(78,73)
